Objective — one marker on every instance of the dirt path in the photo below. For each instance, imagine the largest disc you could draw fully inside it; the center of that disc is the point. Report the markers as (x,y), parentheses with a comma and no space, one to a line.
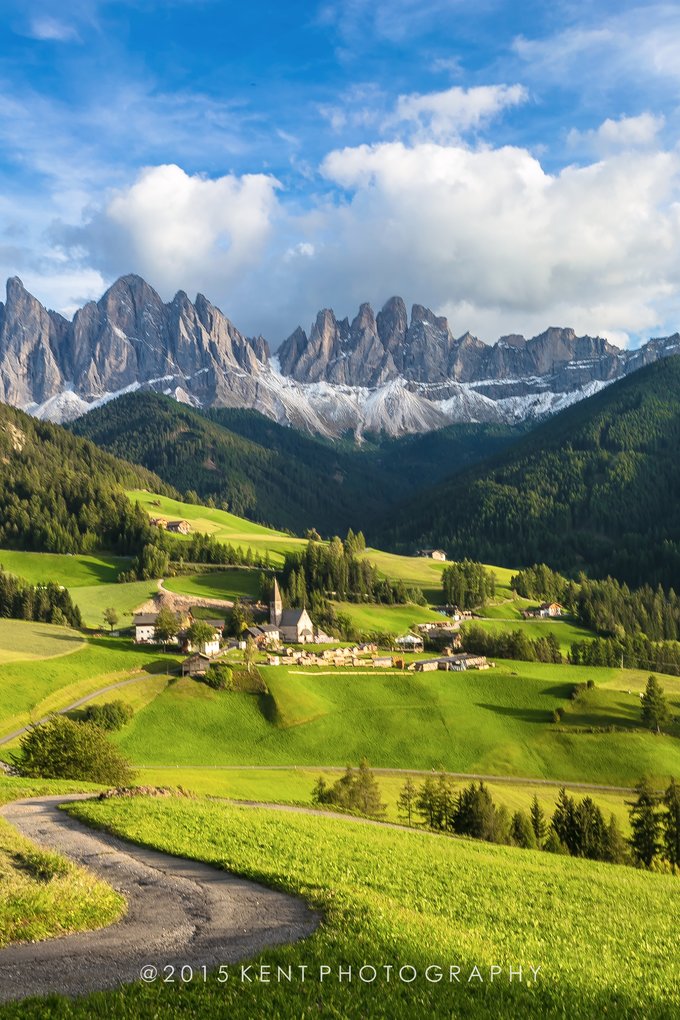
(179,912)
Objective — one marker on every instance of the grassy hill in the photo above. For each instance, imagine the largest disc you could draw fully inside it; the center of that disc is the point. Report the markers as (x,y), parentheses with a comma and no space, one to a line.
(275,474)
(391,897)
(595,488)
(497,722)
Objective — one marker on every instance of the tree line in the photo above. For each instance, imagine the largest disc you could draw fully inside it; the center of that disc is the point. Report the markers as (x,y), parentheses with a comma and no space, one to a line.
(513,644)
(46,603)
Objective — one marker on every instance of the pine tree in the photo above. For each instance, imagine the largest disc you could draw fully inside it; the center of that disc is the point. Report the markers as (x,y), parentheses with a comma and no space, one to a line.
(617,851)
(538,822)
(406,802)
(645,824)
(654,707)
(563,821)
(522,831)
(670,821)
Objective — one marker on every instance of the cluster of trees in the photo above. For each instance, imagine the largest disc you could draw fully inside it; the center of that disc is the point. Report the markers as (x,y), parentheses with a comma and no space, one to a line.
(356,790)
(112,715)
(655,826)
(510,644)
(206,549)
(63,749)
(220,677)
(540,582)
(48,603)
(336,570)
(596,485)
(468,584)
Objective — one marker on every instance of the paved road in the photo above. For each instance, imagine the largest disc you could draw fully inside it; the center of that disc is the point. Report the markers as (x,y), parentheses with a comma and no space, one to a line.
(179,912)
(81,701)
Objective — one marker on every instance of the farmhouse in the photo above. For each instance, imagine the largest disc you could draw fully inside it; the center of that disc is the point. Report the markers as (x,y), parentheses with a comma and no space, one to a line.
(433,554)
(545,610)
(178,527)
(145,628)
(264,634)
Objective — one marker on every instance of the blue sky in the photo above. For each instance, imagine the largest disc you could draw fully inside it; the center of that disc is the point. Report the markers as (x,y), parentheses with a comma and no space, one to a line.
(513,166)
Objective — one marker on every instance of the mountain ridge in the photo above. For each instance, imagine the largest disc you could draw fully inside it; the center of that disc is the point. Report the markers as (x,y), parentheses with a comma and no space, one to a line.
(377,373)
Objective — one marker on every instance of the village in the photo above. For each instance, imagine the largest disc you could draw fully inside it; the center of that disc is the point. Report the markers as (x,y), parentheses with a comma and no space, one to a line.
(289,638)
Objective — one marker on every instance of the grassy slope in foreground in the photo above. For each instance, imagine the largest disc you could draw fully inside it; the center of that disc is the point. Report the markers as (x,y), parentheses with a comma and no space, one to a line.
(497,723)
(42,895)
(604,936)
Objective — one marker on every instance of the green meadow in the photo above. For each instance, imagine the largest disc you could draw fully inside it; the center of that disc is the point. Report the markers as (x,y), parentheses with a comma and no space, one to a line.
(565,630)
(217,584)
(32,689)
(76,571)
(25,641)
(281,785)
(497,722)
(371,617)
(124,598)
(394,898)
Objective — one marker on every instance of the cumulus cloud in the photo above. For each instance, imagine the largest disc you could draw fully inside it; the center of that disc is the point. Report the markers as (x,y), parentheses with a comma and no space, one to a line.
(181,230)
(448,114)
(485,235)
(623,133)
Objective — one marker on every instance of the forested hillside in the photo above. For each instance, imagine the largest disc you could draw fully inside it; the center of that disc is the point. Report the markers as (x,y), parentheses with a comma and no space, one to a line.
(277,475)
(59,493)
(595,488)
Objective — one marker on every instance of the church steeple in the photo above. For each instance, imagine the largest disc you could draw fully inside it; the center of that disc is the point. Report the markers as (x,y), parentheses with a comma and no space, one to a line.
(276,605)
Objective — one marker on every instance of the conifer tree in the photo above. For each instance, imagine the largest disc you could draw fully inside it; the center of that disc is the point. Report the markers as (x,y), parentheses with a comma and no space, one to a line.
(670,820)
(645,824)
(654,707)
(538,822)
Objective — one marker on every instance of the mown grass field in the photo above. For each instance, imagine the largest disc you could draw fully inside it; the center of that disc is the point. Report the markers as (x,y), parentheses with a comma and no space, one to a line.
(371,618)
(497,722)
(217,584)
(565,630)
(125,598)
(294,786)
(75,571)
(603,936)
(31,689)
(24,641)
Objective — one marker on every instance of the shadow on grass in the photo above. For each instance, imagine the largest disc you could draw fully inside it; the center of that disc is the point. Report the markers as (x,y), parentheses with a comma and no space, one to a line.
(530,715)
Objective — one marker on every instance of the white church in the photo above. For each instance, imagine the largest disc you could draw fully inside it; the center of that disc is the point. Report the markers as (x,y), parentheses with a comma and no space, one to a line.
(294,625)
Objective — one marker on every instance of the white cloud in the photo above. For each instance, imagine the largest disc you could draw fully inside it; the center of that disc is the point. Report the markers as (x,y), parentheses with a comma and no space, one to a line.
(49,29)
(448,114)
(623,133)
(184,231)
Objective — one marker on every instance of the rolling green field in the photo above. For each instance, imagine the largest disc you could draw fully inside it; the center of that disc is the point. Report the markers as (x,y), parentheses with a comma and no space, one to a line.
(385,619)
(497,722)
(398,898)
(217,584)
(72,571)
(294,786)
(124,598)
(223,526)
(566,631)
(31,689)
(24,640)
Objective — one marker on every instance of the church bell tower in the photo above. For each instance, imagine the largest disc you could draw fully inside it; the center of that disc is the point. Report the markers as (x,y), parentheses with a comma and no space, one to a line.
(275,606)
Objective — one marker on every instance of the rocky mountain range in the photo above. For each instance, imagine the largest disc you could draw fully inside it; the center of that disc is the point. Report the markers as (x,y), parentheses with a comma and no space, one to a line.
(378,372)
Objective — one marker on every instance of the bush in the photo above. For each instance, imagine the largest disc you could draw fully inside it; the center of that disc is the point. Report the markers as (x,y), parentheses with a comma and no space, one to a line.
(63,749)
(220,677)
(111,716)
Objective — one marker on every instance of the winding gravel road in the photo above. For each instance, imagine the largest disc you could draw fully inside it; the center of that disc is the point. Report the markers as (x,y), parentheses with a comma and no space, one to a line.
(179,912)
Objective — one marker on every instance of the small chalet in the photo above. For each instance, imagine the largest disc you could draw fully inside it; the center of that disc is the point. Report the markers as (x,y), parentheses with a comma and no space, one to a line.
(178,527)
(145,628)
(265,635)
(544,611)
(197,664)
(433,554)
(410,643)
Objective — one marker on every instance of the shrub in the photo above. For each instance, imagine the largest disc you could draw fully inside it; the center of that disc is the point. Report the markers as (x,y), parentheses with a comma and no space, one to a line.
(111,716)
(63,749)
(220,677)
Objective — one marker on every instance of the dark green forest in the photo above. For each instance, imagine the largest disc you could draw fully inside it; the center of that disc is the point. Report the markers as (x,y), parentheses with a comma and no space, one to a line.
(60,493)
(597,488)
(279,476)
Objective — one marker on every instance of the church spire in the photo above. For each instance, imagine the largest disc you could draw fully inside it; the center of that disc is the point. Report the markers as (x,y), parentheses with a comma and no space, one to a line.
(276,605)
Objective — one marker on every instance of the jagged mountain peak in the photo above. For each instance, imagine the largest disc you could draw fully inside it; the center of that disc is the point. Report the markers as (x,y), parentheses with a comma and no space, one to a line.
(376,371)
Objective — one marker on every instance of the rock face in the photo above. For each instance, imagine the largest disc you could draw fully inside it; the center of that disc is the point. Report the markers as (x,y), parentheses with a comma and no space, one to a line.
(379,372)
